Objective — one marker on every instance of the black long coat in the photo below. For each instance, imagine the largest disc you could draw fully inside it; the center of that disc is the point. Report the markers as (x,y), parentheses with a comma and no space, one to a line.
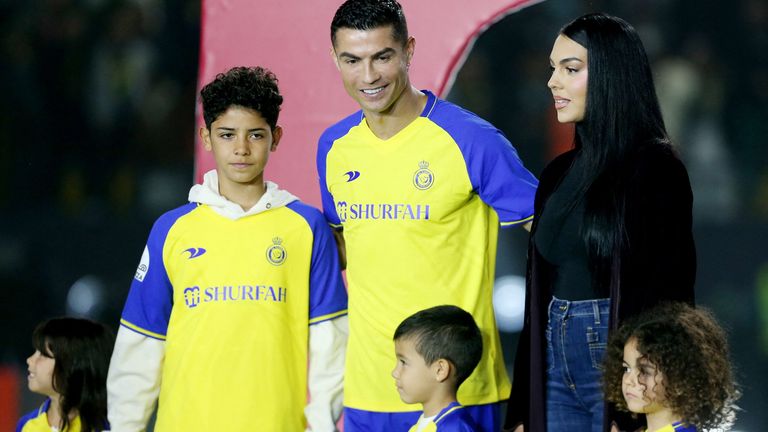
(657,264)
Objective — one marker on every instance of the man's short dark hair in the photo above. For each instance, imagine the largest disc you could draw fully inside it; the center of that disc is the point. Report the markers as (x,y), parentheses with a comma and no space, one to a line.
(248,87)
(445,332)
(369,15)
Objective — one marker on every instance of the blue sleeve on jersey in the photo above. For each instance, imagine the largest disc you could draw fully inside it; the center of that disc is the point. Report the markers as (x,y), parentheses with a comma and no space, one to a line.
(150,300)
(327,295)
(324,146)
(495,170)
(458,421)
(456,426)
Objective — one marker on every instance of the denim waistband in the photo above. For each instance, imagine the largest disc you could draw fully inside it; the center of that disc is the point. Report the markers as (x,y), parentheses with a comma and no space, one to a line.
(597,308)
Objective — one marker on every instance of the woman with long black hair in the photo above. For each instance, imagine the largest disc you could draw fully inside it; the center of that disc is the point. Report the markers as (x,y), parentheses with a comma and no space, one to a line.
(612,228)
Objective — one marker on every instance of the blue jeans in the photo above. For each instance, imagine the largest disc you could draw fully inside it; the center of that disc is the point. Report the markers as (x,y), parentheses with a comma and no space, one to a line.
(577,334)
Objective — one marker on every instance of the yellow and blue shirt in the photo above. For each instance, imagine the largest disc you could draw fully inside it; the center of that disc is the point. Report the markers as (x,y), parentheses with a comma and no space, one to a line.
(233,299)
(37,421)
(677,427)
(450,419)
(420,213)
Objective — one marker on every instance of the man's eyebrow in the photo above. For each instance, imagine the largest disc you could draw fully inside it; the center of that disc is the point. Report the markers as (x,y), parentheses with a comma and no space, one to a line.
(387,50)
(348,55)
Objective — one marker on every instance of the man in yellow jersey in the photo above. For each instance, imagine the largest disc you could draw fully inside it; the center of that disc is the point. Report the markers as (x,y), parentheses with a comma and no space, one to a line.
(416,188)
(234,293)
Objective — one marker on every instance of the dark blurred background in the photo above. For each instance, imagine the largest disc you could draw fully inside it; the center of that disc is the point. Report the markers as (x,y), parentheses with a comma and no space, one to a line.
(97,124)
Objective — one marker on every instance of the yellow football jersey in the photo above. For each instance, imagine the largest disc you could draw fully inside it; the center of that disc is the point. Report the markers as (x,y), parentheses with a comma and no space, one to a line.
(420,213)
(37,421)
(232,299)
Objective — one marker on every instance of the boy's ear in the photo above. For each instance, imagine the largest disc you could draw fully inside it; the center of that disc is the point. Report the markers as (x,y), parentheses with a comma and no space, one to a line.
(205,136)
(277,133)
(442,369)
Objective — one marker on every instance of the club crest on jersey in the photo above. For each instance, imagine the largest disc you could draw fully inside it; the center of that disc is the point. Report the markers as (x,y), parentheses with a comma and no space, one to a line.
(276,253)
(423,178)
(192,296)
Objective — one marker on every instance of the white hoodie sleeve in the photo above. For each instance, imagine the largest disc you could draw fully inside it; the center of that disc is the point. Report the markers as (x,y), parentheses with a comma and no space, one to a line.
(133,381)
(327,349)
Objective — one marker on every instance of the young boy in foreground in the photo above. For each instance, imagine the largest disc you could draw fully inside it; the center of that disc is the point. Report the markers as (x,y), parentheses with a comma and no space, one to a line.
(437,349)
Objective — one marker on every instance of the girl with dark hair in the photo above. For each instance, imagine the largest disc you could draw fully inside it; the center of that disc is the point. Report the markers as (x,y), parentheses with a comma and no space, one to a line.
(69,366)
(612,228)
(671,364)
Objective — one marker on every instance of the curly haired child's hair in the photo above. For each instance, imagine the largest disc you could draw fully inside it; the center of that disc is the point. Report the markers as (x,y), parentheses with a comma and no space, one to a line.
(248,87)
(690,349)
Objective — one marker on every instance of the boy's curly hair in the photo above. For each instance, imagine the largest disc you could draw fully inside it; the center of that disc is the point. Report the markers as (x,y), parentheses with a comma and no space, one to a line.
(248,87)
(690,349)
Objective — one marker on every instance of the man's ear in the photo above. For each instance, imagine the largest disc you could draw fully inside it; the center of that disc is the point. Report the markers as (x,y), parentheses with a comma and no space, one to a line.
(410,48)
(442,369)
(205,136)
(334,58)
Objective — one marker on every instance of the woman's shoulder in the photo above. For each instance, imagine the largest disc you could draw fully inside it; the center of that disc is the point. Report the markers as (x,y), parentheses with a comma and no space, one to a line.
(658,162)
(559,165)
(553,172)
(658,155)
(658,170)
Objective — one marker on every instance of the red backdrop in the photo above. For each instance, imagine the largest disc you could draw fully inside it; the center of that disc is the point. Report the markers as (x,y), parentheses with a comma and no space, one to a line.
(292,38)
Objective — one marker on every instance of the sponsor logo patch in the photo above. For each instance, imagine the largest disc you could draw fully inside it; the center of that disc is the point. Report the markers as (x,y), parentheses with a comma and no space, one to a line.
(352,175)
(143,268)
(194,252)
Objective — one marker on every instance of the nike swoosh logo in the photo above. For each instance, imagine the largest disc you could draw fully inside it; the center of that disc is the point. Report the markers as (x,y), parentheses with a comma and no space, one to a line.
(352,175)
(195,252)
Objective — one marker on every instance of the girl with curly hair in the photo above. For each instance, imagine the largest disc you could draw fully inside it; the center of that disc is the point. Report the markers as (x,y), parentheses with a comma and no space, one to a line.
(69,366)
(671,364)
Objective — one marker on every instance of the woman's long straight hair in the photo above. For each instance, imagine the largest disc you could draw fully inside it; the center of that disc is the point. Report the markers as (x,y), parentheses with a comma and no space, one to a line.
(622,115)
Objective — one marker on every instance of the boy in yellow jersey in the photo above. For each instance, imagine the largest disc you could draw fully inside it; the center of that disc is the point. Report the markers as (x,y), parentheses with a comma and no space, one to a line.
(235,292)
(436,350)
(416,188)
